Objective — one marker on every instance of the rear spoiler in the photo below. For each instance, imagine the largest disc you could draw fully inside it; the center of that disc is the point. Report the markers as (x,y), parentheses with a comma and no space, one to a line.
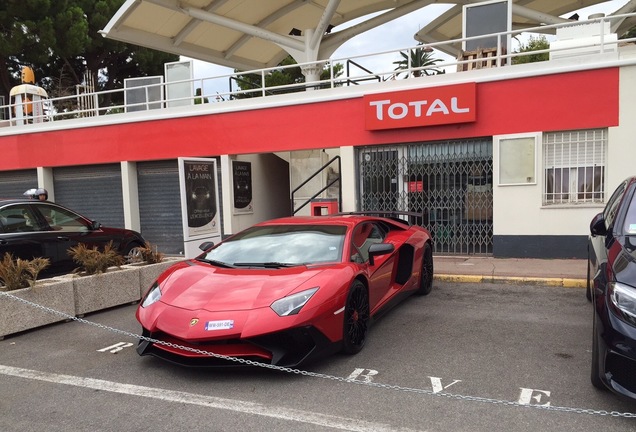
(393,215)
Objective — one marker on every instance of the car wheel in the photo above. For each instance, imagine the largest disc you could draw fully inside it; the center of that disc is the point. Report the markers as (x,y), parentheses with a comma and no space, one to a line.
(426,278)
(595,375)
(132,254)
(588,292)
(356,318)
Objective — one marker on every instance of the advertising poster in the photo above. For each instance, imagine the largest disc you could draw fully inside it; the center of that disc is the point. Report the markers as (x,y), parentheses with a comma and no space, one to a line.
(242,178)
(199,199)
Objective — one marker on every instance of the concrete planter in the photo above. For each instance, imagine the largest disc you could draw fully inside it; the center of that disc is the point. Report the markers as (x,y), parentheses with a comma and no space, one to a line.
(55,293)
(76,295)
(116,287)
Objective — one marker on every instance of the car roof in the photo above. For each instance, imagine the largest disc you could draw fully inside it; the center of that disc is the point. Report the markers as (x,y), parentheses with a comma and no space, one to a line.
(4,201)
(336,219)
(10,201)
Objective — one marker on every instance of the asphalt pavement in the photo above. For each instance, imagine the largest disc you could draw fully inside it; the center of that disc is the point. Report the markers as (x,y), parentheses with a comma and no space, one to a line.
(569,273)
(468,357)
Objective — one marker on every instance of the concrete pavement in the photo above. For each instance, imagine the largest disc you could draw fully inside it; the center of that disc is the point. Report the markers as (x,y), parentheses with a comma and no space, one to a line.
(570,273)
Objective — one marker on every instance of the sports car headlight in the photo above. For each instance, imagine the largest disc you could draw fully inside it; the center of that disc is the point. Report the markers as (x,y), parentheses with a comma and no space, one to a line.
(623,298)
(153,295)
(292,304)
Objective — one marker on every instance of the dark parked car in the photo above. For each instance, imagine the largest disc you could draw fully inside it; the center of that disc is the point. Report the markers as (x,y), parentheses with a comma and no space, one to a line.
(31,229)
(612,290)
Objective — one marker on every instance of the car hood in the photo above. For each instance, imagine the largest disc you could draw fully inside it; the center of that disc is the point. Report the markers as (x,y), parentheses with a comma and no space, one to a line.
(205,287)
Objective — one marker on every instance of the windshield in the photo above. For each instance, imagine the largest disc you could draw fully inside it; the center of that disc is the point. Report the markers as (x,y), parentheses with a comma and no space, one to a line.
(284,244)
(630,218)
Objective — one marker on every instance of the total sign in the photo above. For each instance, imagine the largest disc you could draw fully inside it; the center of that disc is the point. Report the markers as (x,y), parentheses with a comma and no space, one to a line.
(422,107)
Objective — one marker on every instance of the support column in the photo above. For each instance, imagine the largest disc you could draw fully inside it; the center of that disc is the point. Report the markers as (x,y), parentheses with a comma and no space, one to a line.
(45,180)
(311,72)
(226,182)
(348,178)
(130,191)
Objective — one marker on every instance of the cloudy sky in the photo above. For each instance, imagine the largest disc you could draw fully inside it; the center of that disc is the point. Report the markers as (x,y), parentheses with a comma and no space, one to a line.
(394,35)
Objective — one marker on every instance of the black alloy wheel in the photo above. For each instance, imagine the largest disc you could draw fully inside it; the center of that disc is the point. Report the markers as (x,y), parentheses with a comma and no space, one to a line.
(426,277)
(133,253)
(356,318)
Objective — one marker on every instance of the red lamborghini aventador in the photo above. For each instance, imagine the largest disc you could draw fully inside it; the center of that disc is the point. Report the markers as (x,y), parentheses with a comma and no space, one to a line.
(285,291)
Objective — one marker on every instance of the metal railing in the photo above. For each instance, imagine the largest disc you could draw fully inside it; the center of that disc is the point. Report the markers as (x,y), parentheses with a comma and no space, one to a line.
(350,68)
(369,68)
(315,195)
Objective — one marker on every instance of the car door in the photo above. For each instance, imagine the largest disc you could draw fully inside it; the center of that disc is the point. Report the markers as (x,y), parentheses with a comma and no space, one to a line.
(66,229)
(380,274)
(23,235)
(600,244)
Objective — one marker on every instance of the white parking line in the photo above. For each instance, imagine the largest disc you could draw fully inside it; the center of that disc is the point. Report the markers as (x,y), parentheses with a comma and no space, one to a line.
(235,405)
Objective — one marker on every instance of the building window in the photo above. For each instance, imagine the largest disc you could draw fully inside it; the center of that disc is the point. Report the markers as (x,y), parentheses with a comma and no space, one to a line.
(517,158)
(574,163)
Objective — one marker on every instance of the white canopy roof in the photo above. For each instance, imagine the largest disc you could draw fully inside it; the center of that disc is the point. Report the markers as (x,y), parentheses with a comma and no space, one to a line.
(254,34)
(525,14)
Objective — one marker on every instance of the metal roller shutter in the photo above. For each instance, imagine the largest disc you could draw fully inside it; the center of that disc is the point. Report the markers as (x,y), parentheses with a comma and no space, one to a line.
(94,191)
(160,205)
(14,183)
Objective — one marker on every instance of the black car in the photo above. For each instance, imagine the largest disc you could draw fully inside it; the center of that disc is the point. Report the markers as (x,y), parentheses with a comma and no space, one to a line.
(31,229)
(611,287)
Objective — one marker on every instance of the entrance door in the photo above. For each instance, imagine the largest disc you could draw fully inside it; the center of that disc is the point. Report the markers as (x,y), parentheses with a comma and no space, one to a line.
(449,183)
(379,174)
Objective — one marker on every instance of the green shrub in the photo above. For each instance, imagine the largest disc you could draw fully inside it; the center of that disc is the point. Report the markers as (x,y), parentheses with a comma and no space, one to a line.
(92,260)
(19,273)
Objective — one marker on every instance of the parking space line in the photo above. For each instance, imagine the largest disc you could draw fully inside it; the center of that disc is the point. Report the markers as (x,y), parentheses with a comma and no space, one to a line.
(253,408)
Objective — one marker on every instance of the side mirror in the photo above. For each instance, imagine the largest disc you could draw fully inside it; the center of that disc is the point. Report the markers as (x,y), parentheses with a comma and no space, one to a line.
(379,249)
(95,225)
(597,226)
(206,245)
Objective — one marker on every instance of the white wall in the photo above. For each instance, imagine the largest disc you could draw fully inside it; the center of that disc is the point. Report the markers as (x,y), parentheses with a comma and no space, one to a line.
(303,164)
(518,210)
(270,192)
(622,139)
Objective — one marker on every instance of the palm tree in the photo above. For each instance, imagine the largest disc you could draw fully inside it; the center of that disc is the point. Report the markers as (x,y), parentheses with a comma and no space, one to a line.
(420,57)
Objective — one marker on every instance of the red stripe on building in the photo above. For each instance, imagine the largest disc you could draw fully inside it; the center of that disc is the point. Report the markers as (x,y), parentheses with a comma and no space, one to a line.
(568,101)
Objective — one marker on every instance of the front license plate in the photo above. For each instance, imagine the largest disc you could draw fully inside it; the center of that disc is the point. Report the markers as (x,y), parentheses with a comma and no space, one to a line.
(219,325)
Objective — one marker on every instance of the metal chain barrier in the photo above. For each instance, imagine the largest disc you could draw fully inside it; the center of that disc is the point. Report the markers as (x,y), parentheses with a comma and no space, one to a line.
(325,376)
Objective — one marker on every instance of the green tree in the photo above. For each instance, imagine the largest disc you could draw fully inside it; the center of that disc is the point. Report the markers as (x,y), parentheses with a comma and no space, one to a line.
(198,100)
(419,57)
(59,39)
(279,77)
(533,44)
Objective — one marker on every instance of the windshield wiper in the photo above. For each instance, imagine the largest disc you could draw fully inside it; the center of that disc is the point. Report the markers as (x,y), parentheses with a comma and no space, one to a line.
(271,264)
(215,263)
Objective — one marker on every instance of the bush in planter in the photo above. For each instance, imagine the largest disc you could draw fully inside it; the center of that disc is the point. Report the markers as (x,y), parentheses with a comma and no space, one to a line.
(19,273)
(92,260)
(148,254)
